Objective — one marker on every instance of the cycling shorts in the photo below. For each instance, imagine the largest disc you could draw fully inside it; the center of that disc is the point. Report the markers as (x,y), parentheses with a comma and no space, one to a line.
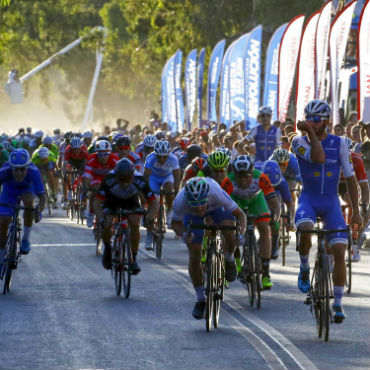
(256,205)
(155,182)
(218,215)
(328,208)
(10,195)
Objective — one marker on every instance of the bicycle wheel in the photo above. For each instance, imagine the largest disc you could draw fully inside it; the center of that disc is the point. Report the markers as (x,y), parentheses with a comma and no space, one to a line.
(283,242)
(116,266)
(325,279)
(98,241)
(349,268)
(159,239)
(126,270)
(257,273)
(11,250)
(209,288)
(218,283)
(248,272)
(316,292)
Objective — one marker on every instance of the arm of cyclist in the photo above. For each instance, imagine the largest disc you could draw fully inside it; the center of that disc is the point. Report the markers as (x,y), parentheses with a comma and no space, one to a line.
(312,151)
(274,205)
(147,173)
(177,177)
(241,219)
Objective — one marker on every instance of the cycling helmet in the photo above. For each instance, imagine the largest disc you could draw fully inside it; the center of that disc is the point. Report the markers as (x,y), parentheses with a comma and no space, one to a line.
(150,140)
(47,140)
(184,142)
(280,155)
(225,150)
(19,158)
(265,110)
(196,190)
(218,160)
(317,107)
(124,169)
(162,148)
(349,143)
(243,163)
(38,134)
(102,146)
(87,135)
(123,141)
(273,172)
(68,135)
(76,142)
(193,151)
(160,135)
(198,163)
(43,152)
(117,136)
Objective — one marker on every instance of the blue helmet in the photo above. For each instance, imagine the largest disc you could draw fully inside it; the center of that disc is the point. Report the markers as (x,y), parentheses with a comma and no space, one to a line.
(19,158)
(265,110)
(273,172)
(317,107)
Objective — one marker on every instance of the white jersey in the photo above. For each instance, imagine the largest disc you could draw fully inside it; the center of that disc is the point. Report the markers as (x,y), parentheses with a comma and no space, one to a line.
(217,197)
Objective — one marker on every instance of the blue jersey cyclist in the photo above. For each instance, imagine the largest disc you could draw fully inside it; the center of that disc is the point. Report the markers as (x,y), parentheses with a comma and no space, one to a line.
(19,179)
(162,169)
(266,136)
(321,156)
(199,198)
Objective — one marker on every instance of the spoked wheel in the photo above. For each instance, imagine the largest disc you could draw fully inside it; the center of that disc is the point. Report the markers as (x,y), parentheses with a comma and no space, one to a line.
(317,300)
(248,275)
(126,273)
(8,262)
(159,236)
(349,268)
(117,267)
(218,296)
(283,242)
(257,277)
(98,240)
(326,296)
(210,286)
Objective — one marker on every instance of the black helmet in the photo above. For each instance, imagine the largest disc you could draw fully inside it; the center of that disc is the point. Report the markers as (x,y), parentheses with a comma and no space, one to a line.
(68,135)
(194,151)
(124,169)
(123,141)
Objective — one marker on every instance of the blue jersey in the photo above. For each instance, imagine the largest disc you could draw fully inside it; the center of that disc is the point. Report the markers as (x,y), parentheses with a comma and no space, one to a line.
(32,179)
(292,171)
(172,163)
(323,178)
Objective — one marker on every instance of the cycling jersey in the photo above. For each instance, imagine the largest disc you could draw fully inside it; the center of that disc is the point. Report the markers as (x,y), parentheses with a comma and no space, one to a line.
(161,170)
(41,164)
(292,171)
(358,167)
(75,158)
(266,141)
(134,158)
(323,178)
(94,170)
(115,196)
(54,149)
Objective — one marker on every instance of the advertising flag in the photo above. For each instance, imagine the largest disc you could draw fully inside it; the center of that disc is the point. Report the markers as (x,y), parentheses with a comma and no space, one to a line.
(288,54)
(322,46)
(191,86)
(305,89)
(164,93)
(270,90)
(337,46)
(178,91)
(214,70)
(200,71)
(171,94)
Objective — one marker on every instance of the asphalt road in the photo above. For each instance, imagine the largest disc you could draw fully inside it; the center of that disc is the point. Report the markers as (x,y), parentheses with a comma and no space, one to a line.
(62,313)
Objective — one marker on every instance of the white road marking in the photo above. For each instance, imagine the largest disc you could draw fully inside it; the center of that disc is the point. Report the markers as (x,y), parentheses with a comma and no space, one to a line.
(64,245)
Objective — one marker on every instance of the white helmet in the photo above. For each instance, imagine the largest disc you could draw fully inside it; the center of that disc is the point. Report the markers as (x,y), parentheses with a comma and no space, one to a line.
(76,142)
(227,151)
(43,152)
(243,163)
(87,135)
(162,148)
(102,146)
(150,140)
(280,155)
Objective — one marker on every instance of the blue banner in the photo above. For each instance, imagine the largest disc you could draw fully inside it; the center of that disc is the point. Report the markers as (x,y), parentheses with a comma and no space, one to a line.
(237,80)
(200,71)
(214,70)
(171,94)
(178,91)
(224,87)
(270,92)
(190,86)
(164,93)
(253,76)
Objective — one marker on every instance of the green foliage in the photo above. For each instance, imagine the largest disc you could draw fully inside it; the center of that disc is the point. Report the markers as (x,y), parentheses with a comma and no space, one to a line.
(142,36)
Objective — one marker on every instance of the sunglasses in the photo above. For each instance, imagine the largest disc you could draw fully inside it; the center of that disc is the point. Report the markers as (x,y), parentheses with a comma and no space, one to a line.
(243,174)
(19,169)
(103,154)
(263,115)
(283,164)
(124,147)
(314,119)
(197,203)
(219,170)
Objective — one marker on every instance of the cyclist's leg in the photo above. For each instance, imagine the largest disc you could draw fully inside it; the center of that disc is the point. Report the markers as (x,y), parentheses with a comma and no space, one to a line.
(134,223)
(28,216)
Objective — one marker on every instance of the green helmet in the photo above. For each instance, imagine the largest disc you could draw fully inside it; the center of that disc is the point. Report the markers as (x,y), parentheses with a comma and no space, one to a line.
(218,160)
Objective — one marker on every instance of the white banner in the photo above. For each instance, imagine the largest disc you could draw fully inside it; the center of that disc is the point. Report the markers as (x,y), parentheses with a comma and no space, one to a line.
(305,90)
(322,46)
(363,64)
(288,55)
(337,47)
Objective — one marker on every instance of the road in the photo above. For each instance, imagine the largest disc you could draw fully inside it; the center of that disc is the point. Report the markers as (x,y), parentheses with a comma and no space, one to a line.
(62,313)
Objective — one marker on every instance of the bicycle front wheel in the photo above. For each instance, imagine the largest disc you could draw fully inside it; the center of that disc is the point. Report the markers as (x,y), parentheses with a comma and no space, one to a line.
(218,282)
(248,273)
(127,262)
(325,279)
(11,250)
(209,285)
(349,268)
(159,238)
(257,273)
(117,268)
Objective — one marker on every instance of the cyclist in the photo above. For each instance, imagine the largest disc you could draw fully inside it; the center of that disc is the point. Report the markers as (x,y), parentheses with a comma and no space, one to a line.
(162,169)
(192,152)
(193,168)
(75,157)
(37,140)
(321,156)
(266,136)
(216,167)
(252,189)
(87,137)
(20,179)
(146,148)
(45,161)
(48,142)
(358,166)
(120,189)
(199,198)
(122,147)
(181,149)
(98,165)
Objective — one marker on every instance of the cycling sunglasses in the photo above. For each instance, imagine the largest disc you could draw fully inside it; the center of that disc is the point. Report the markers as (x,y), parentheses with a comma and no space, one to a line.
(103,154)
(263,115)
(123,147)
(283,164)
(220,170)
(197,203)
(19,169)
(243,174)
(314,119)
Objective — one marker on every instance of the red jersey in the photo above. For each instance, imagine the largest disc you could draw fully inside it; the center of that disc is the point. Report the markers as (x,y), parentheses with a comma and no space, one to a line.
(134,158)
(94,169)
(76,159)
(359,168)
